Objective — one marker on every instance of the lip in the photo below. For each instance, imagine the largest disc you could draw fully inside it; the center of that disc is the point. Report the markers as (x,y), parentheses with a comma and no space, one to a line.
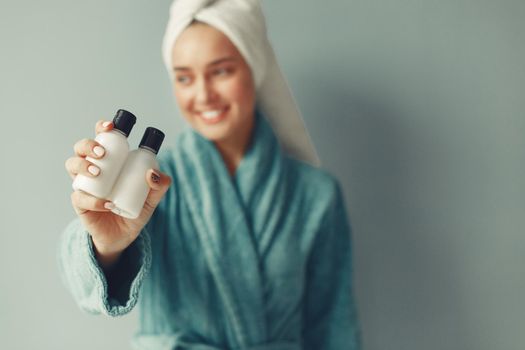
(216,119)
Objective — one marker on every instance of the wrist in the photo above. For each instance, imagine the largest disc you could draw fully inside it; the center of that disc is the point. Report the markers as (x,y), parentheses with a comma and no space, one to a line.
(106,259)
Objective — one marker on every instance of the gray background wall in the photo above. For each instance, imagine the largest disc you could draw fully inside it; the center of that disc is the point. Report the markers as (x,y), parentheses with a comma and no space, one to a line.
(416,105)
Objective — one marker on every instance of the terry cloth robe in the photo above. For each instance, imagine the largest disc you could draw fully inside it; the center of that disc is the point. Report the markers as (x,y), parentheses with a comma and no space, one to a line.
(258,261)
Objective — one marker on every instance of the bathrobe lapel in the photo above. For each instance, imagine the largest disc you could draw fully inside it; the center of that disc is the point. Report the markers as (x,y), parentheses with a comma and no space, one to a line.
(262,185)
(224,212)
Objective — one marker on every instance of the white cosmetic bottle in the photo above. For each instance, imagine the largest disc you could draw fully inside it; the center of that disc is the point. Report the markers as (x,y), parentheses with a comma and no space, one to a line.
(131,190)
(115,143)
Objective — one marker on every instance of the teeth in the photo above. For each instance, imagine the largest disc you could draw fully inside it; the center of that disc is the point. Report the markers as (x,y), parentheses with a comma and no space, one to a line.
(211,114)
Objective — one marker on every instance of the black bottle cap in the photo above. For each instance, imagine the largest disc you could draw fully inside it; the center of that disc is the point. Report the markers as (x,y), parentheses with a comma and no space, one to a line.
(124,121)
(152,139)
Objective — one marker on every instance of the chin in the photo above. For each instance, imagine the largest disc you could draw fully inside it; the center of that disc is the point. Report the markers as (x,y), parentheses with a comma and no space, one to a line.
(215,133)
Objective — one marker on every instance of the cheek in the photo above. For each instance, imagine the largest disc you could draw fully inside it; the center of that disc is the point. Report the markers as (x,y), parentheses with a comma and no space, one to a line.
(182,97)
(242,92)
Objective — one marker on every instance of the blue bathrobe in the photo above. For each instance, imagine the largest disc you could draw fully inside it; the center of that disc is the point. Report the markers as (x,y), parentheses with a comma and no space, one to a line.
(258,261)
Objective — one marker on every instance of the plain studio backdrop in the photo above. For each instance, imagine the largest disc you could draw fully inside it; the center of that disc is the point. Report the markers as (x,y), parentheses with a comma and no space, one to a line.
(417,106)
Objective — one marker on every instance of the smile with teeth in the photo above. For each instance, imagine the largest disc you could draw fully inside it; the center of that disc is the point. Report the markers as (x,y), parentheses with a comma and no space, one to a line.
(212,115)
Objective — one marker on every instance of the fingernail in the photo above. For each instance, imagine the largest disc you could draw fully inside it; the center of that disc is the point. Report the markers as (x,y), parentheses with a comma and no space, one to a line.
(155,178)
(106,124)
(93,170)
(99,151)
(109,205)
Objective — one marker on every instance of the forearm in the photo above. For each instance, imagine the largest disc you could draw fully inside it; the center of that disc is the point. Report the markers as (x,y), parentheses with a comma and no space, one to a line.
(107,261)
(94,282)
(79,269)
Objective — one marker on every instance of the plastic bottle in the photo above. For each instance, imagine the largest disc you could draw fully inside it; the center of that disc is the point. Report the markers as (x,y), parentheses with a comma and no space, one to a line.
(131,190)
(115,143)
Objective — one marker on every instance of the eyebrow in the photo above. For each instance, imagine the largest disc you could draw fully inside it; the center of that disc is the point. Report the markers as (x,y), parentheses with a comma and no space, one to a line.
(213,63)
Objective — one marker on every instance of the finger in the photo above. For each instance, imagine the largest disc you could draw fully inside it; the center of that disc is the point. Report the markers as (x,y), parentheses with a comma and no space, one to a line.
(78,165)
(83,202)
(103,126)
(159,184)
(88,147)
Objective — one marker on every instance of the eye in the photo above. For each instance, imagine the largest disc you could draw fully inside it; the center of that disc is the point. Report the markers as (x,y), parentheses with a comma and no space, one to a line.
(183,79)
(221,71)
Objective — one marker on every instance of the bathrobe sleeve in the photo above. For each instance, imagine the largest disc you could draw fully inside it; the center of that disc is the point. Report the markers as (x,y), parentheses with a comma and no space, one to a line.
(330,320)
(114,293)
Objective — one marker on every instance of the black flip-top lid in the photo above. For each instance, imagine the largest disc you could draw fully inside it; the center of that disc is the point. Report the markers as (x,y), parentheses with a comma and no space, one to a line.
(124,121)
(152,139)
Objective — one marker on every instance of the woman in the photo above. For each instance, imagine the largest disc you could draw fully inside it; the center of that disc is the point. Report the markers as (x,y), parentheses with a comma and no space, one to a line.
(239,245)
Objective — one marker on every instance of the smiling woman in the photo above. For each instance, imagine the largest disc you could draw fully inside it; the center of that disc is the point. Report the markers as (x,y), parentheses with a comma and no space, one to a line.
(243,243)
(215,90)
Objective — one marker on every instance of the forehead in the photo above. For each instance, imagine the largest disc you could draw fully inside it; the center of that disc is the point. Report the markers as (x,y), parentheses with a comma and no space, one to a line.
(200,44)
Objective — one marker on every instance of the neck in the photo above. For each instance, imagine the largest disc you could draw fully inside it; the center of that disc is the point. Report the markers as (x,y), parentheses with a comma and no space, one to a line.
(232,150)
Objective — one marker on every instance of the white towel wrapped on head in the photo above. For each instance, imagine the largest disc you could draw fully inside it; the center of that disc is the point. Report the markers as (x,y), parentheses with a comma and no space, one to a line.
(242,21)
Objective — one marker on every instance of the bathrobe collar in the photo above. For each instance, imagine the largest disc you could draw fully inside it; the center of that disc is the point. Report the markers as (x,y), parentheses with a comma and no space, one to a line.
(229,214)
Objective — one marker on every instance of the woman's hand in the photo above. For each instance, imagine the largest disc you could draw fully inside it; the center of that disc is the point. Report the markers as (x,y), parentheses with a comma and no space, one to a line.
(111,234)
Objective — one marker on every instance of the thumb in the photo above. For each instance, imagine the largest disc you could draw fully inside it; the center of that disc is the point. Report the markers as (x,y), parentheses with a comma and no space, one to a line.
(159,184)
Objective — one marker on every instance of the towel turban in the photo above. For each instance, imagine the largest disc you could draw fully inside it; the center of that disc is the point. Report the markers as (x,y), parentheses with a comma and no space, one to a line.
(242,21)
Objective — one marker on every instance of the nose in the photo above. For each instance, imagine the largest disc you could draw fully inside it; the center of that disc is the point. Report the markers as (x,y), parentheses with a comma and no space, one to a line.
(205,92)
